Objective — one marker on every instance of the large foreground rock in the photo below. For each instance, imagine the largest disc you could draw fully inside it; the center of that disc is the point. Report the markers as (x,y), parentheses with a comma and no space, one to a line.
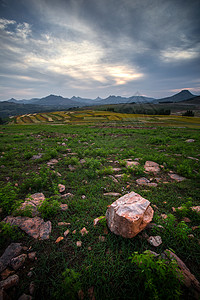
(129,215)
(35,227)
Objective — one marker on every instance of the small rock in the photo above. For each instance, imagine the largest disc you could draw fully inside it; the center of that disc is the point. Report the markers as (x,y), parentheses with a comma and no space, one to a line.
(63,224)
(66,233)
(32,256)
(18,261)
(83,231)
(78,243)
(9,282)
(186,220)
(195,227)
(102,238)
(176,177)
(113,178)
(52,162)
(82,161)
(71,168)
(32,288)
(74,232)
(61,188)
(191,236)
(196,208)
(145,181)
(155,240)
(30,274)
(67,195)
(25,297)
(83,196)
(89,248)
(112,194)
(116,169)
(190,141)
(37,156)
(59,239)
(132,163)
(163,216)
(63,207)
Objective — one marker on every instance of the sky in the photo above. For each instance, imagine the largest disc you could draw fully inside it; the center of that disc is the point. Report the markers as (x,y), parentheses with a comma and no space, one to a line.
(92,48)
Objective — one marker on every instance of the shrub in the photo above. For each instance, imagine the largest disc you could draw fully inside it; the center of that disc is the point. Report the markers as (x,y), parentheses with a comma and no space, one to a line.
(8,195)
(49,208)
(159,276)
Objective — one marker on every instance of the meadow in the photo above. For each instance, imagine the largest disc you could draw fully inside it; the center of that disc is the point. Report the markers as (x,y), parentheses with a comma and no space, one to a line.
(91,149)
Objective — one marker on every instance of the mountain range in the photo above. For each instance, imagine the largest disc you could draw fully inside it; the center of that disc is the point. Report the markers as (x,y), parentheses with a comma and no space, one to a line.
(54,102)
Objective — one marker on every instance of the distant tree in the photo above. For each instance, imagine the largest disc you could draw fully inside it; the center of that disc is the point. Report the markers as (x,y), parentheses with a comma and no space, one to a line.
(188,113)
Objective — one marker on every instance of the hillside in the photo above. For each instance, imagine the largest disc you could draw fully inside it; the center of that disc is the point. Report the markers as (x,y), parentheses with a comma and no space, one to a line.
(181,96)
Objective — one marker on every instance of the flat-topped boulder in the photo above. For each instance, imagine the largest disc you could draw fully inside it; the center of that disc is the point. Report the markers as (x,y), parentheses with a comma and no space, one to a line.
(129,215)
(35,227)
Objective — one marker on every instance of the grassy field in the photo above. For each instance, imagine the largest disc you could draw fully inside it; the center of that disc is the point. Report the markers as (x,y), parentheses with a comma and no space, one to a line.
(105,140)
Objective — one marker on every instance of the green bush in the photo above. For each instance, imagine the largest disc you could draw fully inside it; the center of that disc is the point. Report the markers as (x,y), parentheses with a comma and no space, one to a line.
(8,196)
(49,208)
(159,276)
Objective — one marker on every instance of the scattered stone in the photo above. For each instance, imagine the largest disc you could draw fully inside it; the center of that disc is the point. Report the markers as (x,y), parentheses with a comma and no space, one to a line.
(153,225)
(63,224)
(59,239)
(102,238)
(155,240)
(82,161)
(176,177)
(129,215)
(195,227)
(190,141)
(66,233)
(80,295)
(89,248)
(61,188)
(116,169)
(191,236)
(83,231)
(186,220)
(6,273)
(37,156)
(151,166)
(113,178)
(190,157)
(112,194)
(32,256)
(9,282)
(11,251)
(96,221)
(74,232)
(78,243)
(163,216)
(30,274)
(18,261)
(35,227)
(63,207)
(145,181)
(52,162)
(83,196)
(32,288)
(190,280)
(196,208)
(132,163)
(67,195)
(91,293)
(25,297)
(72,168)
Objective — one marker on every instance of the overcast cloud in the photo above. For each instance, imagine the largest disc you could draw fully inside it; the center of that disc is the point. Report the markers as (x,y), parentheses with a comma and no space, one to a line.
(93,48)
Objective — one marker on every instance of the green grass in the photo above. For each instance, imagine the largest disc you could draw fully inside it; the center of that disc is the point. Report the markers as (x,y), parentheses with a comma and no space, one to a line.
(104,146)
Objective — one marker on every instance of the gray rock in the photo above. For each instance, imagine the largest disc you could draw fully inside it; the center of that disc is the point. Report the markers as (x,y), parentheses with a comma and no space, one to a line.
(17,262)
(11,251)
(9,282)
